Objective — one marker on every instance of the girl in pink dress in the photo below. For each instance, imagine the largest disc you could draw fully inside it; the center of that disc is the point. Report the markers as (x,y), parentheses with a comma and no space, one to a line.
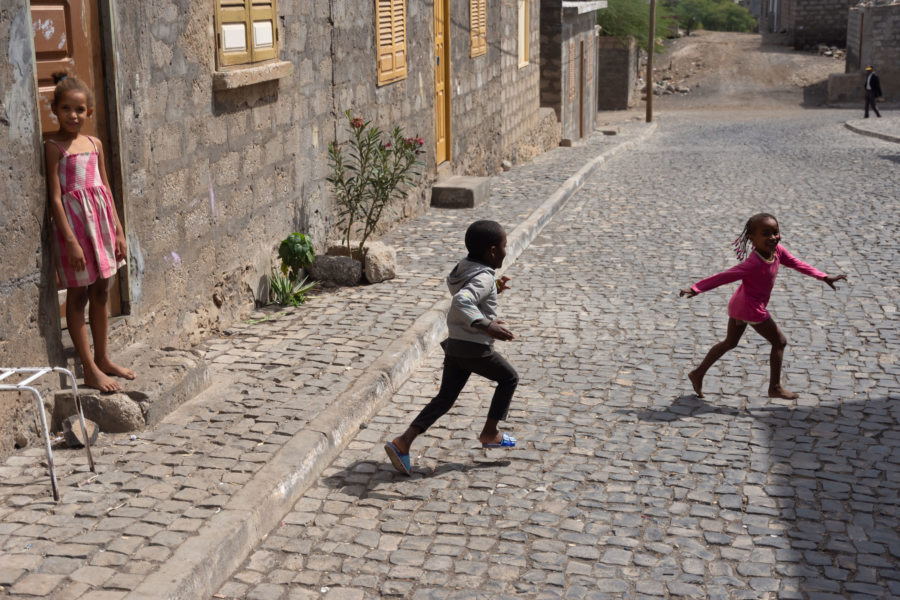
(90,241)
(748,304)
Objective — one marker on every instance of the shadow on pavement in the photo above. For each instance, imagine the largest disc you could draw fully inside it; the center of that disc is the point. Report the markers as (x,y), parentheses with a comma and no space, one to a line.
(835,480)
(894,158)
(360,478)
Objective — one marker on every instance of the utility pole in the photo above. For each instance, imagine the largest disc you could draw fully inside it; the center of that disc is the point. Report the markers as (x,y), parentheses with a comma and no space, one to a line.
(651,42)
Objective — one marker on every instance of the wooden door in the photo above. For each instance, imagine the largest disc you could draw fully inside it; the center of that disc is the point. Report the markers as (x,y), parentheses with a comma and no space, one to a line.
(67,38)
(442,80)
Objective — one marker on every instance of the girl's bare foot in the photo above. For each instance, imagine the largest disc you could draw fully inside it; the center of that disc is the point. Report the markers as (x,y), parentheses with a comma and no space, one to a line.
(111,368)
(97,379)
(697,382)
(780,392)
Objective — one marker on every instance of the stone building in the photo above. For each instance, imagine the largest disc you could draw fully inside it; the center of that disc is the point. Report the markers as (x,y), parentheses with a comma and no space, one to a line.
(569,34)
(807,22)
(873,38)
(216,117)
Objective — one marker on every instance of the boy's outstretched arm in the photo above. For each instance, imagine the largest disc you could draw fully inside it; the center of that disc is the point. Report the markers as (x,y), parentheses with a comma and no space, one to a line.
(503,284)
(830,280)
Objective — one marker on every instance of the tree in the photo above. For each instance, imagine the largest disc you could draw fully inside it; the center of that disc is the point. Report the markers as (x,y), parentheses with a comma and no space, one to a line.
(632,18)
(714,15)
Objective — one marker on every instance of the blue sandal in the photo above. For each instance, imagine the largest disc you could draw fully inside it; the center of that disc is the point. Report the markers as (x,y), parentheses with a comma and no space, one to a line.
(400,461)
(507,441)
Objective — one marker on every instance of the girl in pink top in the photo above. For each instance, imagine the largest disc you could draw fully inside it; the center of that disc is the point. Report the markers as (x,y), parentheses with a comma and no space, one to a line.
(90,241)
(748,305)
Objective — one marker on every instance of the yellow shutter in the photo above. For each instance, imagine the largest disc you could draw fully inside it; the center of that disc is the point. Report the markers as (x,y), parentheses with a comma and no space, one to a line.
(478,27)
(233,35)
(390,32)
(524,31)
(264,30)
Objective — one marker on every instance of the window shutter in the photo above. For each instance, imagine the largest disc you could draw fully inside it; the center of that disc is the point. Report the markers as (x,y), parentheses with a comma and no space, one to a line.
(233,33)
(478,27)
(391,40)
(264,30)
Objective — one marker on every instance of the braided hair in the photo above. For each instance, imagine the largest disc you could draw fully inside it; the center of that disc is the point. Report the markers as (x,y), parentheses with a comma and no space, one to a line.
(68,83)
(741,244)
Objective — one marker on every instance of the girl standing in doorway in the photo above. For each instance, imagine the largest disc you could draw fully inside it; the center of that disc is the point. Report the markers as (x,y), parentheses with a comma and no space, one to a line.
(90,241)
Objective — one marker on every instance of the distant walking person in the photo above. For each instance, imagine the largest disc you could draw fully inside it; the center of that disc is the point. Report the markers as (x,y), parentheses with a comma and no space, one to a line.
(873,90)
(748,304)
(473,326)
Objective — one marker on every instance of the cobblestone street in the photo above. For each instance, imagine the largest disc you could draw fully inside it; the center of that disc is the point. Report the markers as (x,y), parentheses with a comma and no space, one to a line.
(625,484)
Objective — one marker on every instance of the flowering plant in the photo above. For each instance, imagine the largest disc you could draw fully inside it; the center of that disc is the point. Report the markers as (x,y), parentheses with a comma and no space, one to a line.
(367,173)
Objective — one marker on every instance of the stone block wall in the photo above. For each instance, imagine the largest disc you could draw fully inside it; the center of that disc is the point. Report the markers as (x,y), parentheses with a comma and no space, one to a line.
(617,62)
(879,45)
(520,97)
(29,330)
(820,22)
(569,52)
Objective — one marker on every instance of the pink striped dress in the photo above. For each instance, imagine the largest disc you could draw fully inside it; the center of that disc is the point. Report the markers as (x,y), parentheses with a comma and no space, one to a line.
(89,209)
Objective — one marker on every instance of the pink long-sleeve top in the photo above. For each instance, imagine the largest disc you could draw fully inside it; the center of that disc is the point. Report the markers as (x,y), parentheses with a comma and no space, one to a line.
(757,280)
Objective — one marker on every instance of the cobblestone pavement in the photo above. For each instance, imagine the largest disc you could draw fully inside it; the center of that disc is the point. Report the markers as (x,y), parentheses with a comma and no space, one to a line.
(625,484)
(153,495)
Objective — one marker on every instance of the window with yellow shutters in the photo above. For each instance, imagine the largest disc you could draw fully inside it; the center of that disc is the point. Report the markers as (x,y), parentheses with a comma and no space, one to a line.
(246,31)
(390,17)
(478,27)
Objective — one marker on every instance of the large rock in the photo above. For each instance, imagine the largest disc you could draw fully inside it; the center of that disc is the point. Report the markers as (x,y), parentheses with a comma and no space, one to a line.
(341,270)
(381,262)
(113,413)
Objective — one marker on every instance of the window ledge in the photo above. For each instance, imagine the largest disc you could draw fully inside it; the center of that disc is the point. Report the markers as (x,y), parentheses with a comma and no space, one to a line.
(583,6)
(252,74)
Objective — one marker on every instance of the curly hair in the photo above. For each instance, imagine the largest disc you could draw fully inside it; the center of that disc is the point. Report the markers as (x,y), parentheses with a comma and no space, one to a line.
(69,83)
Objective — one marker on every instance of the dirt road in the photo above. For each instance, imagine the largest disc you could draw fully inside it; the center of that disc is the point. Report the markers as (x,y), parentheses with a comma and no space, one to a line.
(735,70)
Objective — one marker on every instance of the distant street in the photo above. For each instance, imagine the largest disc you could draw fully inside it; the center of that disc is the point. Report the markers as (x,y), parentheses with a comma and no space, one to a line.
(625,485)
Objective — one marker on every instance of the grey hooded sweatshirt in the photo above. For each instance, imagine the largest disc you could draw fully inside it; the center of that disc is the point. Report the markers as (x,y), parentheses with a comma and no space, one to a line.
(474,292)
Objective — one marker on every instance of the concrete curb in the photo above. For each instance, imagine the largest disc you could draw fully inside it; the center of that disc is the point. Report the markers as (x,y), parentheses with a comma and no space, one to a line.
(863,131)
(202,563)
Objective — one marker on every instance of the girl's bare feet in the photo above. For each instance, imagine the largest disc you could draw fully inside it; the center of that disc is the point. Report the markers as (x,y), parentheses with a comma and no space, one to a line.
(780,392)
(491,438)
(111,368)
(401,445)
(96,378)
(697,382)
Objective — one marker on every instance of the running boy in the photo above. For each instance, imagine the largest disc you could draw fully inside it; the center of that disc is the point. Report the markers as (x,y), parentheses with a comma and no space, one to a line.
(473,326)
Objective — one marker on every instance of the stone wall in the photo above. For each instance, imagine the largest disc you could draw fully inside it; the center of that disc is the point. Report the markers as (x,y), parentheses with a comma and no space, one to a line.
(212,179)
(520,96)
(880,46)
(29,329)
(568,43)
(617,64)
(820,22)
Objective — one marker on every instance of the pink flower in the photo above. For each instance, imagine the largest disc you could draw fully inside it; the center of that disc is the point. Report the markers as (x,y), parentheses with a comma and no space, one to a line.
(357,123)
(420,141)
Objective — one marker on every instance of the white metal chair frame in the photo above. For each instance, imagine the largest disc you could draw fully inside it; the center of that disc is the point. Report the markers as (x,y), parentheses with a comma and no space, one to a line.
(24,385)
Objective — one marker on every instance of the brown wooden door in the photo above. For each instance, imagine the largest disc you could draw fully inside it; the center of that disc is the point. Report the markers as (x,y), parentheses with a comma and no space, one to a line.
(67,38)
(442,80)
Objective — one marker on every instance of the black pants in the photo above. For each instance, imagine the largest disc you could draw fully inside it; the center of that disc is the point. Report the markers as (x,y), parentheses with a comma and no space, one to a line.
(870,100)
(456,373)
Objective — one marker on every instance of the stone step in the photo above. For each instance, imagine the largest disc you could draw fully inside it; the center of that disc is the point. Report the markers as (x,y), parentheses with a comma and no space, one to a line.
(460,191)
(166,379)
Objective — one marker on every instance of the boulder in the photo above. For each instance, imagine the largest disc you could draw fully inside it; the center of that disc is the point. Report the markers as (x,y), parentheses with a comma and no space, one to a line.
(340,270)
(381,262)
(75,436)
(113,412)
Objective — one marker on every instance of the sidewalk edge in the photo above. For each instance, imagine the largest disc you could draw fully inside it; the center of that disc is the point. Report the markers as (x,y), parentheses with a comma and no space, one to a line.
(204,562)
(882,136)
